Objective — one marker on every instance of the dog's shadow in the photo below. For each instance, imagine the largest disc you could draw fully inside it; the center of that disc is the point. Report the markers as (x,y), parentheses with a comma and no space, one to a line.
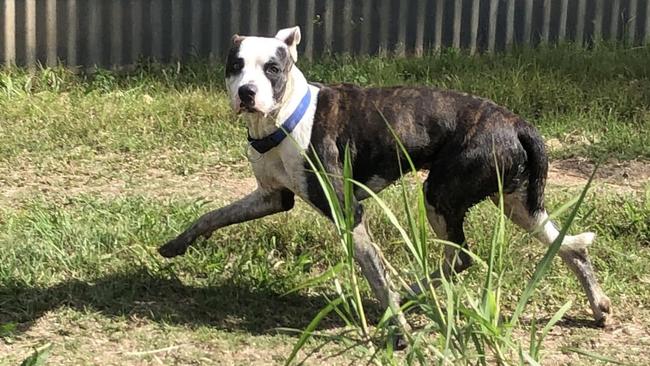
(152,296)
(160,298)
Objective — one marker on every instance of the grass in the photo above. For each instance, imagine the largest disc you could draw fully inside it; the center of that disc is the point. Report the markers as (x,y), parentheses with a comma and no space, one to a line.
(463,325)
(595,103)
(96,160)
(96,256)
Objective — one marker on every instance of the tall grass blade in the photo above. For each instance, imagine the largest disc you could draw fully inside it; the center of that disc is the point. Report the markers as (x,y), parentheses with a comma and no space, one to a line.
(536,346)
(39,357)
(594,356)
(316,280)
(390,215)
(349,216)
(306,334)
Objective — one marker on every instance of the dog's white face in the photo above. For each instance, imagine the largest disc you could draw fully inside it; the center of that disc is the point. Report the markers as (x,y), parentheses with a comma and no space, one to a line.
(258,68)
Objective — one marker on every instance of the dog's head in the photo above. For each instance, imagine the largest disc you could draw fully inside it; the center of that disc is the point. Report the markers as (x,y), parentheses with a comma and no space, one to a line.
(258,68)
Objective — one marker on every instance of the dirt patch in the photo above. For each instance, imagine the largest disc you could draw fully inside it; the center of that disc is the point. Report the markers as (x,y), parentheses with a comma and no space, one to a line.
(621,175)
(87,338)
(626,341)
(115,175)
(81,338)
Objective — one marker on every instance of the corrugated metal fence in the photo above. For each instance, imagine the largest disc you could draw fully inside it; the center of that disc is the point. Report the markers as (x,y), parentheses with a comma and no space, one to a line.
(118,32)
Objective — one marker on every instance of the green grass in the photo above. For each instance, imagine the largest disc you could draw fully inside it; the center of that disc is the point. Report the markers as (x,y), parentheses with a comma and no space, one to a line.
(78,266)
(99,256)
(465,323)
(596,103)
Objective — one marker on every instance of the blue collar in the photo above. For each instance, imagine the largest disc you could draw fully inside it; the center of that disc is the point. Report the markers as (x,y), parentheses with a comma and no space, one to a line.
(267,143)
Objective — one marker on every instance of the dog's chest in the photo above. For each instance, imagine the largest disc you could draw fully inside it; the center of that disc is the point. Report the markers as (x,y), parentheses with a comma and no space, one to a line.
(282,167)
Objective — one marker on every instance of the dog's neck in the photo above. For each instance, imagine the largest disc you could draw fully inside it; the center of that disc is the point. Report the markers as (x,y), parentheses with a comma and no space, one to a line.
(260,126)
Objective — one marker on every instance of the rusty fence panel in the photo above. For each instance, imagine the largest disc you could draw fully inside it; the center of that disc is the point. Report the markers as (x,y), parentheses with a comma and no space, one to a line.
(119,33)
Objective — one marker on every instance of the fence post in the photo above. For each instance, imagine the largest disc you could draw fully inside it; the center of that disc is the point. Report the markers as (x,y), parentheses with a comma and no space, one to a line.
(400,47)
(563,18)
(646,37)
(156,30)
(273,17)
(384,16)
(309,30)
(253,16)
(419,27)
(291,13)
(458,14)
(329,26)
(476,4)
(50,26)
(234,17)
(546,27)
(510,23)
(631,22)
(492,29)
(580,22)
(365,27)
(196,34)
(136,30)
(177,29)
(528,21)
(73,28)
(116,34)
(437,35)
(598,21)
(93,35)
(10,32)
(30,33)
(613,24)
(347,24)
(215,23)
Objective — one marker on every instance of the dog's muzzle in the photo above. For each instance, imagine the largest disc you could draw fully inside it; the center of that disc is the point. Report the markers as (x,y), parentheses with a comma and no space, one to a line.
(247,97)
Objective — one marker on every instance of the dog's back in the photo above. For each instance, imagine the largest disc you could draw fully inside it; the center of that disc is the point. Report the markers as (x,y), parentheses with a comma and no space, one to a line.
(440,129)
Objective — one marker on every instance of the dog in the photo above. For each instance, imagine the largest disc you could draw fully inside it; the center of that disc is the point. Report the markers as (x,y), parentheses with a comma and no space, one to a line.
(457,137)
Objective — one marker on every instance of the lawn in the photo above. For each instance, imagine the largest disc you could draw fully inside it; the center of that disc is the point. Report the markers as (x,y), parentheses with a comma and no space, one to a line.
(98,170)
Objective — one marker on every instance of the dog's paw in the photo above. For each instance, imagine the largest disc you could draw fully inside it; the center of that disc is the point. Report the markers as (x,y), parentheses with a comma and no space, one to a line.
(173,248)
(604,316)
(399,343)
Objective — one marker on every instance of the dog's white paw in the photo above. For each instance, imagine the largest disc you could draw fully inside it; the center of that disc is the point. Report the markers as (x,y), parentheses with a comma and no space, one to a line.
(578,242)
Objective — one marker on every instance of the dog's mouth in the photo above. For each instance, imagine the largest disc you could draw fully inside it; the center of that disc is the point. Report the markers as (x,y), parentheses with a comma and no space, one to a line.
(247,108)
(251,109)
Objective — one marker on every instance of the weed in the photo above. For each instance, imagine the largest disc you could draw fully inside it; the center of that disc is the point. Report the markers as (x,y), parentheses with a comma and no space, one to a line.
(469,326)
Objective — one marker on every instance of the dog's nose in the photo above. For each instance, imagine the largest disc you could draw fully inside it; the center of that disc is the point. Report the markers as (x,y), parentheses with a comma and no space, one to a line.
(247,94)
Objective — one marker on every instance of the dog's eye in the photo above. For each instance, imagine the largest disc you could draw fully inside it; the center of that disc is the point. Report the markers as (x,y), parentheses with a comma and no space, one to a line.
(238,65)
(272,69)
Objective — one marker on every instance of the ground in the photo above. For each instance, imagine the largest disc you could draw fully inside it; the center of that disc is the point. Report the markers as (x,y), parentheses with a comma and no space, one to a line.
(89,336)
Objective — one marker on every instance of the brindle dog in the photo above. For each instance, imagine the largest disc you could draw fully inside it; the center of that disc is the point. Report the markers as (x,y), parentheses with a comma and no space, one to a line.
(460,139)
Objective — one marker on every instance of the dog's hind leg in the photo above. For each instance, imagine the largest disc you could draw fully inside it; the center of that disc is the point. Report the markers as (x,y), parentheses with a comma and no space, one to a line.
(258,204)
(573,250)
(446,219)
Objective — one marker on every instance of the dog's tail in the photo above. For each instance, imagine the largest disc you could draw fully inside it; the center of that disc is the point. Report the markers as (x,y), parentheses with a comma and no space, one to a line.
(533,144)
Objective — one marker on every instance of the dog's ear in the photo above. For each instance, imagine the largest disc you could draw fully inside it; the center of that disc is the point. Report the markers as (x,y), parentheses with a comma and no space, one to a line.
(236,39)
(290,36)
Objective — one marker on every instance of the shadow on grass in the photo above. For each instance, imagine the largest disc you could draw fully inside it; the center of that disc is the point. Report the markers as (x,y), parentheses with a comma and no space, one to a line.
(149,296)
(567,321)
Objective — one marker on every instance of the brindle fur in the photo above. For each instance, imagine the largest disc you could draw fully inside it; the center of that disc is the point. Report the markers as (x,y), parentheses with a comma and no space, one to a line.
(453,135)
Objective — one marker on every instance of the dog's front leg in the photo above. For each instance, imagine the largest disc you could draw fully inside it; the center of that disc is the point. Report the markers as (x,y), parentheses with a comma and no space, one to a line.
(260,203)
(369,258)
